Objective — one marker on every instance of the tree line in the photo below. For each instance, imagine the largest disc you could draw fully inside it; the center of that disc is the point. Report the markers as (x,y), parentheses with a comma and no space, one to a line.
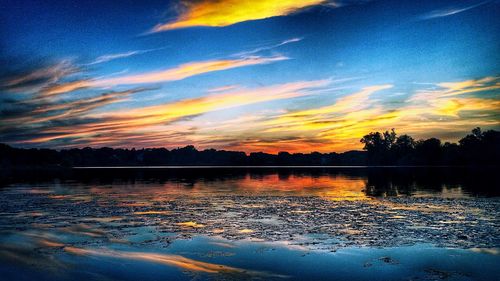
(387,148)
(477,148)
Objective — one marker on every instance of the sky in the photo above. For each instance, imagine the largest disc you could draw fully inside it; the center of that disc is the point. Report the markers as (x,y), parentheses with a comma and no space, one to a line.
(247,75)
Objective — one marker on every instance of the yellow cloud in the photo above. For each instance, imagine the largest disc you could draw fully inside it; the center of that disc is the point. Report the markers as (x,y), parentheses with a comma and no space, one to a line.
(227,12)
(440,112)
(311,118)
(338,127)
(452,107)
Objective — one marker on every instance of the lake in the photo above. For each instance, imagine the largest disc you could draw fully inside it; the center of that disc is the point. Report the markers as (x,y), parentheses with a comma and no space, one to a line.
(271,223)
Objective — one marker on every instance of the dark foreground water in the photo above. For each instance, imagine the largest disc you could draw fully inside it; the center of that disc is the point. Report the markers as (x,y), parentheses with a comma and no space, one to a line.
(250,224)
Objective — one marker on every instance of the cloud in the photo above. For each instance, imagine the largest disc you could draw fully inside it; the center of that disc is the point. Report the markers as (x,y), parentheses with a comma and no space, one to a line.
(222,89)
(110,57)
(57,89)
(266,48)
(41,115)
(447,109)
(35,79)
(185,70)
(450,11)
(324,117)
(141,123)
(36,112)
(172,74)
(227,12)
(35,106)
(452,98)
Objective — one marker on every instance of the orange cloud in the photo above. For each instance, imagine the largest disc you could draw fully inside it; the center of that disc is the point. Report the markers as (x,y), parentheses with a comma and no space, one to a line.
(227,12)
(442,111)
(141,121)
(186,70)
(58,89)
(338,127)
(173,74)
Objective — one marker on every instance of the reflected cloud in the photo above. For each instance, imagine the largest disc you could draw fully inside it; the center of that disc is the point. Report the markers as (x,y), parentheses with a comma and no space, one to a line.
(85,230)
(190,224)
(153,213)
(490,251)
(172,260)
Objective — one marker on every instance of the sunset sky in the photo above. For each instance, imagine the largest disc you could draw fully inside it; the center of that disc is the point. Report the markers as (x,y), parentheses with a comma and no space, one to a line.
(249,75)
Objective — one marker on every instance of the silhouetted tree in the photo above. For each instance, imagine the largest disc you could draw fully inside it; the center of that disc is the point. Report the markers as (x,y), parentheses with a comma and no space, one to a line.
(403,149)
(379,147)
(478,148)
(428,151)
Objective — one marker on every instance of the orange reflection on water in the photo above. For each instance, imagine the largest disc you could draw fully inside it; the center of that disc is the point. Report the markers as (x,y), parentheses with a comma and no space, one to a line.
(331,187)
(171,260)
(153,213)
(83,229)
(191,224)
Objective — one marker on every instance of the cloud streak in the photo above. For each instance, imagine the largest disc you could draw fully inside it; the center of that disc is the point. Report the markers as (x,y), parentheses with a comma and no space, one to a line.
(450,11)
(34,80)
(449,108)
(45,116)
(141,122)
(180,72)
(267,48)
(186,70)
(227,12)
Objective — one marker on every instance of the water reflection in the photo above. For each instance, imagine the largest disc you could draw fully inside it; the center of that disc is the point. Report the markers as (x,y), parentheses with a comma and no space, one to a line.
(335,182)
(52,221)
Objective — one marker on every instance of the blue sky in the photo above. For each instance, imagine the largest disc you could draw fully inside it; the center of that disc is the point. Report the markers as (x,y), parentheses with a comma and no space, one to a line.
(247,75)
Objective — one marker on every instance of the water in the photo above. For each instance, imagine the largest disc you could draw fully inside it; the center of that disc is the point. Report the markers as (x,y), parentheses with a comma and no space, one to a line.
(250,224)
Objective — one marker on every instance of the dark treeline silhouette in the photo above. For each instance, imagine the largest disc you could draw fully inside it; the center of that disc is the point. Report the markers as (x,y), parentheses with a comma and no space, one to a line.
(478,148)
(186,156)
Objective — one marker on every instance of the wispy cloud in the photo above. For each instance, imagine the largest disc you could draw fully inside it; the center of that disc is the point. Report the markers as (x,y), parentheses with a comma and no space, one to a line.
(267,48)
(222,89)
(180,72)
(35,112)
(186,70)
(144,121)
(450,11)
(34,80)
(110,57)
(445,109)
(227,12)
(221,118)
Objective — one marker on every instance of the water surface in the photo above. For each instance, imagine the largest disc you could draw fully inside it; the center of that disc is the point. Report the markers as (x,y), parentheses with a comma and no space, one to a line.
(257,224)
